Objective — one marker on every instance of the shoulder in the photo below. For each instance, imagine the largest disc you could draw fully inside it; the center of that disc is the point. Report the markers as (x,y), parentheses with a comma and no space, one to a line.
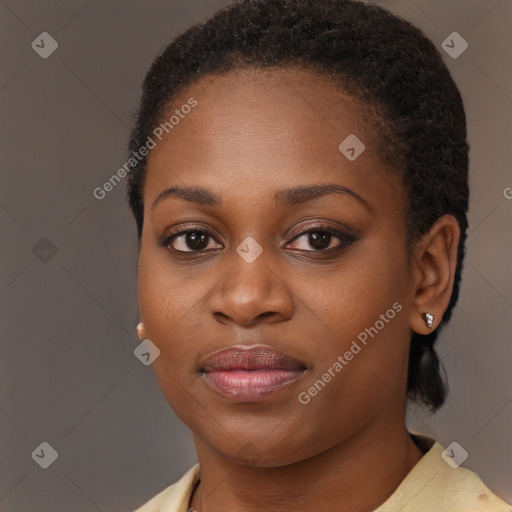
(433,484)
(176,497)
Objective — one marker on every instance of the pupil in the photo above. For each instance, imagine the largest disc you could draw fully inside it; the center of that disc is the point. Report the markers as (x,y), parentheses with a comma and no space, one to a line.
(318,239)
(196,240)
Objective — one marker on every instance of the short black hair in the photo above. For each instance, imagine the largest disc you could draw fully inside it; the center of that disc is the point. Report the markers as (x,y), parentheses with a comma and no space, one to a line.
(375,56)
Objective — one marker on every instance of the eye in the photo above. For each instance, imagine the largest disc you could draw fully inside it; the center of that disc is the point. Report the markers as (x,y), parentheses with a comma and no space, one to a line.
(190,240)
(321,239)
(315,239)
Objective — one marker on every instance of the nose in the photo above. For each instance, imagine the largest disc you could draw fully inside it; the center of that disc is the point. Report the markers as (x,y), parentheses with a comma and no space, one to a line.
(251,293)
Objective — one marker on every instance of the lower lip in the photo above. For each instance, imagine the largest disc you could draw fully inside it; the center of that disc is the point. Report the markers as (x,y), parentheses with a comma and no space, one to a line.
(250,385)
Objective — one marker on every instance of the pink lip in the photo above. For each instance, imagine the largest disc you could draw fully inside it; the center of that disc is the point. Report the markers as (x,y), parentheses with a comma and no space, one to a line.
(250,374)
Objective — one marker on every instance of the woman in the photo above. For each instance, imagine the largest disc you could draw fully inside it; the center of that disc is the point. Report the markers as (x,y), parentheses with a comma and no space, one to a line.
(300,193)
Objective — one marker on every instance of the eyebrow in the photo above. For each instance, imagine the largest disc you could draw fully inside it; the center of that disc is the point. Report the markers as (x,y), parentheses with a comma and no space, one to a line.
(299,195)
(196,195)
(284,197)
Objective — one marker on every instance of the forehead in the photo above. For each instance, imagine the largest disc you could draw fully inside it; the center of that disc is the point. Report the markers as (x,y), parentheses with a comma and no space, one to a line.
(271,101)
(266,128)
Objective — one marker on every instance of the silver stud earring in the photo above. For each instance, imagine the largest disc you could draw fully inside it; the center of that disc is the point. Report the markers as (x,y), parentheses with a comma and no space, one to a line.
(139,329)
(428,319)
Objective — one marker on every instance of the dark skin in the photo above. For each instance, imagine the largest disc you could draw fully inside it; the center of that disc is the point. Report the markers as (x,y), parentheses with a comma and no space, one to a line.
(254,133)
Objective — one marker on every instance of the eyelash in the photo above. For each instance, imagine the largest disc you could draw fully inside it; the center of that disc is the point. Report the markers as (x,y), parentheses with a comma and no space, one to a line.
(346,239)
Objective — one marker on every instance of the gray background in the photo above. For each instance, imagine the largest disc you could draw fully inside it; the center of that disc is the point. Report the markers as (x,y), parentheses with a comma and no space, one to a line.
(68,375)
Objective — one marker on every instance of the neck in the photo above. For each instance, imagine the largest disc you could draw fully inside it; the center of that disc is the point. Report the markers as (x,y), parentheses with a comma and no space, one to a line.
(356,475)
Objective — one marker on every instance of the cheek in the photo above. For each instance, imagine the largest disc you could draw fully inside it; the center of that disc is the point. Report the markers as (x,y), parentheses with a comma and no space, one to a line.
(347,323)
(167,302)
(353,296)
(360,313)
(174,308)
(167,310)
(170,313)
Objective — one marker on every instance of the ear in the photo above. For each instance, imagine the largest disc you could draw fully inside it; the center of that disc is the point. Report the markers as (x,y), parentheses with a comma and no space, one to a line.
(433,266)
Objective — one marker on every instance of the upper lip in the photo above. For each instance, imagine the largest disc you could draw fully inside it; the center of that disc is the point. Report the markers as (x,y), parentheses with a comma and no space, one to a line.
(253,357)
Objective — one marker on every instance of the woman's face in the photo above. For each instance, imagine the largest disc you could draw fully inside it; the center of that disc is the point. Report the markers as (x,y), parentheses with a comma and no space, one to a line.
(336,306)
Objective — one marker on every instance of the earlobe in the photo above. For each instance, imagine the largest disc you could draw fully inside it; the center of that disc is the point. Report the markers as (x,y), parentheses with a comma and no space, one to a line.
(434,265)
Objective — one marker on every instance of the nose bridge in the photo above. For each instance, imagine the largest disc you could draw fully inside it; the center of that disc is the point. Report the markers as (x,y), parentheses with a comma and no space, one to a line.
(251,268)
(252,287)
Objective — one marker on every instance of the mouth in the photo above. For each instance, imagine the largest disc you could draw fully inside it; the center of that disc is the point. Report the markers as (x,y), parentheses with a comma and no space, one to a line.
(250,373)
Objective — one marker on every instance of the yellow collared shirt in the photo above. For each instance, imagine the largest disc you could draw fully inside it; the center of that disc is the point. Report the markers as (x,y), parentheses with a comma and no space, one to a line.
(431,486)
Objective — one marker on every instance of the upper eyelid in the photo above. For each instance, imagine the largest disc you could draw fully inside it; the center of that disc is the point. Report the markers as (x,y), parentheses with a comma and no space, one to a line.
(319,226)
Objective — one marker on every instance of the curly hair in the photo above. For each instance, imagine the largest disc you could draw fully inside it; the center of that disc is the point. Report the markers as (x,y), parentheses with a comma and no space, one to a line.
(377,57)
